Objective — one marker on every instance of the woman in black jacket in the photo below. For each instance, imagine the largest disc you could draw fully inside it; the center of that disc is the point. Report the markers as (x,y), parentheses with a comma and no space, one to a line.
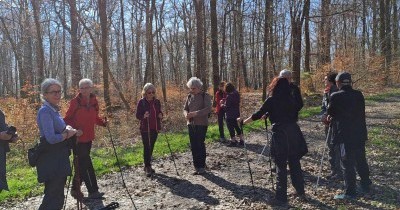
(6,137)
(288,144)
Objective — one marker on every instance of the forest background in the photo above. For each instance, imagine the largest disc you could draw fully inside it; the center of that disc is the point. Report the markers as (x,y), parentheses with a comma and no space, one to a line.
(121,45)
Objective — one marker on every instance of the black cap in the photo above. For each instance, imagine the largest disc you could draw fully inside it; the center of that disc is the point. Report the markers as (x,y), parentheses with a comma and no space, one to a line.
(344,78)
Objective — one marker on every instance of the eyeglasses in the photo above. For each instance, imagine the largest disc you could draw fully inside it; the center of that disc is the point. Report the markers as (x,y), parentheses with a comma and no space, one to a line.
(153,92)
(55,92)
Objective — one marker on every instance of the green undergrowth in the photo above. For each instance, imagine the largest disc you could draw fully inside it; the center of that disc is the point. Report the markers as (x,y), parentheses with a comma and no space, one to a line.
(384,96)
(22,179)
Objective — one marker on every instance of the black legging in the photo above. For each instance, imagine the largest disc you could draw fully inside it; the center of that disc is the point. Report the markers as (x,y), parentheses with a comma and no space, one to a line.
(86,170)
(232,127)
(221,116)
(148,146)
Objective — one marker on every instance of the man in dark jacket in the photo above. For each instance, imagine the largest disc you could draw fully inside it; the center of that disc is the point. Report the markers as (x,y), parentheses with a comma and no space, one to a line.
(347,109)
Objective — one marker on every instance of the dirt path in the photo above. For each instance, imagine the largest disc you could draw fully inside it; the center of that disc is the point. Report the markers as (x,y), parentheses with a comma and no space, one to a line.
(227,184)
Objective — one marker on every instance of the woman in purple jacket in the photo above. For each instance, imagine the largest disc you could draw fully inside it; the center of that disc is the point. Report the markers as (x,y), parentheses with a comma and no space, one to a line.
(232,112)
(148,111)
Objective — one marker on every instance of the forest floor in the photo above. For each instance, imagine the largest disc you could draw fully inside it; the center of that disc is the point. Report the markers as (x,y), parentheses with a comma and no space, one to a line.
(227,185)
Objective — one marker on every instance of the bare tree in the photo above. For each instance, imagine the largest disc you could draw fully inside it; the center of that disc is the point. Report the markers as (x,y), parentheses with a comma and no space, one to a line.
(39,40)
(200,48)
(149,74)
(324,34)
(214,45)
(297,19)
(75,45)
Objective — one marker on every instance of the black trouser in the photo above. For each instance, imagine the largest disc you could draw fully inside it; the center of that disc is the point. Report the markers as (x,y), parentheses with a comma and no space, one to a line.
(3,179)
(221,116)
(197,137)
(333,152)
(296,174)
(53,194)
(355,159)
(148,145)
(85,168)
(232,125)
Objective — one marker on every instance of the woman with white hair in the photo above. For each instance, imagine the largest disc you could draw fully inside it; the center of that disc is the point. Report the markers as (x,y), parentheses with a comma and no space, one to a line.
(196,110)
(53,164)
(148,111)
(83,114)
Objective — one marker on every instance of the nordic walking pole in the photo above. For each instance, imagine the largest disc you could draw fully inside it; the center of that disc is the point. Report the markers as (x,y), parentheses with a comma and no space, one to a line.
(271,175)
(247,158)
(320,168)
(170,150)
(120,168)
(265,146)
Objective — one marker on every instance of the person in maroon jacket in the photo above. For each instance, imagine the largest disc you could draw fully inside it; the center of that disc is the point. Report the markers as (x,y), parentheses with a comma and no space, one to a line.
(83,115)
(148,111)
(220,97)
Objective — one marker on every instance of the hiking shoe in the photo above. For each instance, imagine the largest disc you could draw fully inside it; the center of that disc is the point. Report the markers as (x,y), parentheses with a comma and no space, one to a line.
(302,197)
(334,176)
(199,171)
(95,195)
(223,140)
(149,171)
(344,197)
(232,143)
(241,143)
(76,194)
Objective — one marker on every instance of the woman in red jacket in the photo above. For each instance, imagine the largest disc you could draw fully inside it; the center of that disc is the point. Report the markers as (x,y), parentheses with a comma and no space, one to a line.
(148,111)
(83,114)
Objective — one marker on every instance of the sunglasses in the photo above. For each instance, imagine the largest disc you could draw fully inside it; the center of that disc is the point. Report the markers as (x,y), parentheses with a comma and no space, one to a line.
(153,92)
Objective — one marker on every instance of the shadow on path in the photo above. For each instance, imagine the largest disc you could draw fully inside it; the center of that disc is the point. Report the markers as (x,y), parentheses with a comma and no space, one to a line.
(239,191)
(186,189)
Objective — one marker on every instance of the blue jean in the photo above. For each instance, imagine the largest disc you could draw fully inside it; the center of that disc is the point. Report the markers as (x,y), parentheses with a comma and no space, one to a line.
(197,137)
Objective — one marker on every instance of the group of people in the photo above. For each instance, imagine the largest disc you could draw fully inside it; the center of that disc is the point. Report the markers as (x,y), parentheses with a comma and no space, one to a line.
(58,135)
(343,114)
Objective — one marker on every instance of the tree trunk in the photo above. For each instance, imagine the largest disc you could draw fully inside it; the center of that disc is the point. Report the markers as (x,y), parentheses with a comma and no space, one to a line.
(307,52)
(214,45)
(126,70)
(395,30)
(149,71)
(325,34)
(104,40)
(39,41)
(75,46)
(200,55)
